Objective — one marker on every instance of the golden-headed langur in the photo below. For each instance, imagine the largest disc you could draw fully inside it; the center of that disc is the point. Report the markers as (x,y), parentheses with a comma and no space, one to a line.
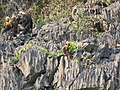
(66,50)
(25,22)
(66,53)
(8,24)
(14,23)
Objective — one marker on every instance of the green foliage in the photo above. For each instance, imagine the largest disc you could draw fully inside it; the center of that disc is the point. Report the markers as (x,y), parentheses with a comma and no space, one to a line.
(76,60)
(96,35)
(21,50)
(73,47)
(1,25)
(40,4)
(105,1)
(81,15)
(17,54)
(72,50)
(29,45)
(59,53)
(100,46)
(16,58)
(47,52)
(81,21)
(9,61)
(58,1)
(39,20)
(44,50)
(3,7)
(80,29)
(56,54)
(90,61)
(84,58)
(51,54)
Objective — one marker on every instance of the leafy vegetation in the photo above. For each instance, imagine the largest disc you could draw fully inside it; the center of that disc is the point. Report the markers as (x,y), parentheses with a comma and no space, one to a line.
(90,61)
(58,53)
(3,7)
(44,50)
(76,60)
(29,45)
(21,50)
(51,54)
(84,58)
(80,23)
(54,8)
(96,35)
(16,58)
(105,1)
(73,47)
(39,21)
(1,25)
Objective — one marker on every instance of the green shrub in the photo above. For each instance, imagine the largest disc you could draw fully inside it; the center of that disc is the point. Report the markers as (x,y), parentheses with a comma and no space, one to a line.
(29,45)
(58,1)
(17,54)
(44,50)
(81,21)
(81,14)
(39,21)
(59,53)
(76,60)
(21,50)
(105,1)
(73,47)
(50,55)
(56,54)
(16,58)
(3,7)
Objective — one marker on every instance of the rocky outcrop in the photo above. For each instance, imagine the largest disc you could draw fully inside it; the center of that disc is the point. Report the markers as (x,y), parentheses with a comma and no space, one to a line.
(25,63)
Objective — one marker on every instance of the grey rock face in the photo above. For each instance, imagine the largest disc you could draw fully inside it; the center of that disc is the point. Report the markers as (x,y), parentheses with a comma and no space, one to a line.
(7,78)
(94,66)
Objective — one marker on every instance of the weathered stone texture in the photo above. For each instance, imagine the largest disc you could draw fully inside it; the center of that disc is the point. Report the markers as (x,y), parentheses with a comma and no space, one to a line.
(94,66)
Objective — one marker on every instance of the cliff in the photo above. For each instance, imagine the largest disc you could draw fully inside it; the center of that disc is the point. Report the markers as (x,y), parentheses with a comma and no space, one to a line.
(26,64)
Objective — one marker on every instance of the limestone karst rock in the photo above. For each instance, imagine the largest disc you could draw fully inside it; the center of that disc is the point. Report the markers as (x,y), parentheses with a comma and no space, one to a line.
(25,65)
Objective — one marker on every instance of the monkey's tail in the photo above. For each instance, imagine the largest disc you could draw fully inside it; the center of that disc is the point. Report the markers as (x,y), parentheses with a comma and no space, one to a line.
(63,68)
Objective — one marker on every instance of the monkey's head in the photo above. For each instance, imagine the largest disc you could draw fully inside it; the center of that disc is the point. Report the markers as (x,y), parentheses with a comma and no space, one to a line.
(21,13)
(30,10)
(7,19)
(13,17)
(8,22)
(68,43)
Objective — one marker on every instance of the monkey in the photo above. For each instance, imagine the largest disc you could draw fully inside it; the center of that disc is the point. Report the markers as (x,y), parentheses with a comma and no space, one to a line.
(66,50)
(25,22)
(101,25)
(7,29)
(8,25)
(66,53)
(14,23)
(63,69)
